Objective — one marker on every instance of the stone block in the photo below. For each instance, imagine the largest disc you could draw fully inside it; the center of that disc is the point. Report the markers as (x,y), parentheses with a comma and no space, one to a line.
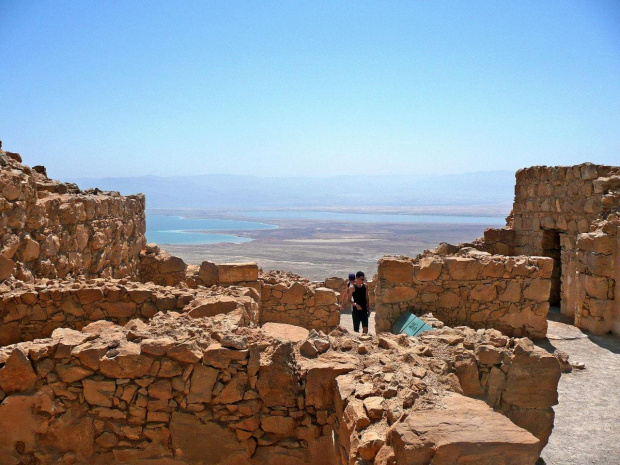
(488,355)
(537,290)
(191,437)
(232,273)
(212,306)
(603,309)
(325,296)
(588,172)
(532,379)
(335,283)
(600,265)
(466,431)
(512,293)
(294,294)
(595,286)
(99,392)
(202,382)
(399,294)
(463,269)
(6,267)
(126,361)
(17,374)
(450,300)
(282,426)
(428,269)
(483,292)
(209,273)
(395,270)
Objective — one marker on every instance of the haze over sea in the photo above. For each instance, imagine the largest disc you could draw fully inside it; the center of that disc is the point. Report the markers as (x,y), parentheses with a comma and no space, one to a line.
(172,229)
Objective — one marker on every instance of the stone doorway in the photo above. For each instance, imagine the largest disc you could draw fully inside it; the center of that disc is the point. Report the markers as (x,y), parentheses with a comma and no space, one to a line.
(552,248)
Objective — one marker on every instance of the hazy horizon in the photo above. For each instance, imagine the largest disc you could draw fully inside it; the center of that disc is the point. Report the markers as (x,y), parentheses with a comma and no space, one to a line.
(242,191)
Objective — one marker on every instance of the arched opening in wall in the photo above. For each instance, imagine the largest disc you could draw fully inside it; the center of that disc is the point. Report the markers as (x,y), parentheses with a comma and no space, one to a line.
(552,248)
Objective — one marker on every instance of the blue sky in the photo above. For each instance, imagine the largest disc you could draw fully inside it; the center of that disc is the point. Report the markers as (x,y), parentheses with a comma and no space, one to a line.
(284,88)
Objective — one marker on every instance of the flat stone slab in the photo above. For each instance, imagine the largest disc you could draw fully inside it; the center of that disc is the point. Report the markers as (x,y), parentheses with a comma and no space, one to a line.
(466,431)
(284,332)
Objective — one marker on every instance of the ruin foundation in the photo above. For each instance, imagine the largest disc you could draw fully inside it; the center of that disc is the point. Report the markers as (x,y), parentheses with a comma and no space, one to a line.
(112,351)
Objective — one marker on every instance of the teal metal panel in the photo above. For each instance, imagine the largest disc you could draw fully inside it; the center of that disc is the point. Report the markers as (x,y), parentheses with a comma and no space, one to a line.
(409,324)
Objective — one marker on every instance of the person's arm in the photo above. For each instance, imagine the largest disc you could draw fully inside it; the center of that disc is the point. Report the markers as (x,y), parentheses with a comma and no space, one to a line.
(367,299)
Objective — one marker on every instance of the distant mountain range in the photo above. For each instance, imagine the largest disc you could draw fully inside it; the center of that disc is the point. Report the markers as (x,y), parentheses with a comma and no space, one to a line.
(232,191)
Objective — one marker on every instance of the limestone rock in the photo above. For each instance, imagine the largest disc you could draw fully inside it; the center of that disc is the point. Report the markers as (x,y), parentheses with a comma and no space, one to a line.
(17,374)
(466,431)
(126,361)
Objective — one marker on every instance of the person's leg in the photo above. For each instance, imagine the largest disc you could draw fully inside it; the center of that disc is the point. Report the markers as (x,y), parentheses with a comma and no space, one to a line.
(356,321)
(364,321)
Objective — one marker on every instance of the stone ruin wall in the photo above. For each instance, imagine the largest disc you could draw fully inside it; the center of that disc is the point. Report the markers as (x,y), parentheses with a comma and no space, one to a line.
(51,230)
(288,298)
(33,311)
(511,376)
(181,390)
(186,387)
(284,297)
(597,265)
(473,288)
(554,208)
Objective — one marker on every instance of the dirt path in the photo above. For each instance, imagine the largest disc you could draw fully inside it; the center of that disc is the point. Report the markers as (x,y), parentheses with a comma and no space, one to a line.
(587,419)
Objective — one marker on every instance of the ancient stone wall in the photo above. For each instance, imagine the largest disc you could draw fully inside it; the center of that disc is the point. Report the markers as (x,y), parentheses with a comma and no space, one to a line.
(159,267)
(594,300)
(387,413)
(283,297)
(291,299)
(209,391)
(50,229)
(553,206)
(198,391)
(32,311)
(473,288)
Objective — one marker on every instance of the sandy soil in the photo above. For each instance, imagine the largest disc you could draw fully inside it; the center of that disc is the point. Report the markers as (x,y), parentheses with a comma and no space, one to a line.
(317,249)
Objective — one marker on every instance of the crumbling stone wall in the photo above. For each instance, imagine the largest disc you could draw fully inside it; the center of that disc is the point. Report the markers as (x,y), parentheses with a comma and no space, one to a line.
(208,390)
(291,299)
(598,277)
(227,274)
(472,288)
(159,267)
(199,391)
(413,403)
(553,206)
(31,311)
(283,297)
(50,229)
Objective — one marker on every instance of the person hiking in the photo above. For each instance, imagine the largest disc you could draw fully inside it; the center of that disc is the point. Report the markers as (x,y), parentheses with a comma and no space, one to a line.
(361,303)
(345,298)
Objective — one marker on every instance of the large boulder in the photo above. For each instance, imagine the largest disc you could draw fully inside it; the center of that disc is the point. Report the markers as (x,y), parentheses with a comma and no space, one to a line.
(464,431)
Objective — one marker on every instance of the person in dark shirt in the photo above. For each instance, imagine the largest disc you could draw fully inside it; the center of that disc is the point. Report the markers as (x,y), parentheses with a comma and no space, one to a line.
(361,303)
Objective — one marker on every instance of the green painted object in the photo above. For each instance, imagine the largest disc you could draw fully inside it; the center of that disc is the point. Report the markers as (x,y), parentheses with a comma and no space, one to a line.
(409,324)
